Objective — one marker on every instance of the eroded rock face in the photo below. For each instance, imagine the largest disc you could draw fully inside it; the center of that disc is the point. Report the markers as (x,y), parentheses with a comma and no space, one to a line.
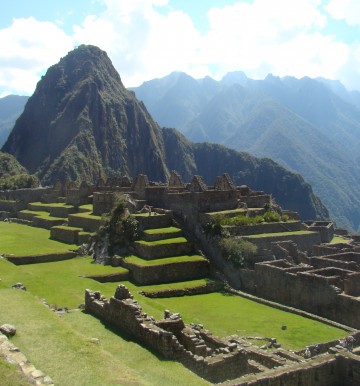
(8,330)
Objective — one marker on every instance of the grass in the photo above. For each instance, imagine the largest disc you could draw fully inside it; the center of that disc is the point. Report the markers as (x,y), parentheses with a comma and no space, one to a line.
(60,283)
(339,239)
(167,260)
(44,215)
(69,357)
(166,241)
(175,286)
(60,345)
(52,205)
(86,215)
(68,228)
(88,207)
(231,211)
(162,230)
(227,314)
(10,375)
(279,234)
(19,240)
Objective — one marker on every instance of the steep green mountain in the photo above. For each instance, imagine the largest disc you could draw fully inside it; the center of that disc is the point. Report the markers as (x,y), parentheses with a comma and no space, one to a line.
(309,126)
(81,123)
(11,107)
(13,175)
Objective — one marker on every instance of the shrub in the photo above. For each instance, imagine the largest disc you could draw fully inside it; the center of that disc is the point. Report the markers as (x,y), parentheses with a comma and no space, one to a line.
(119,225)
(272,216)
(213,228)
(239,251)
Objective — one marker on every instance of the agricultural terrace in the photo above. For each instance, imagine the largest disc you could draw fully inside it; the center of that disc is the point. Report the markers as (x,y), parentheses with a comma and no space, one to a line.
(61,344)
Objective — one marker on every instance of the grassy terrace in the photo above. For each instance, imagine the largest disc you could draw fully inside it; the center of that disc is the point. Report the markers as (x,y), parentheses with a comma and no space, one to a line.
(167,260)
(162,230)
(61,346)
(44,215)
(174,286)
(340,239)
(279,234)
(87,207)
(86,215)
(52,205)
(166,241)
(22,240)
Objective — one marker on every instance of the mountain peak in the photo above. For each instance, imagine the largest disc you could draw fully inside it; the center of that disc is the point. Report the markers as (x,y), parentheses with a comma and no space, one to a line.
(77,123)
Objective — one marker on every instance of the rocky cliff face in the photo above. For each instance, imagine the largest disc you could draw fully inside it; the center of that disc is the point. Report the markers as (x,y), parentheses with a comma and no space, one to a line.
(81,123)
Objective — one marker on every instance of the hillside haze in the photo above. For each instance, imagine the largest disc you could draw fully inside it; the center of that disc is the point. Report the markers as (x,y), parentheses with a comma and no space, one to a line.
(11,107)
(81,123)
(311,126)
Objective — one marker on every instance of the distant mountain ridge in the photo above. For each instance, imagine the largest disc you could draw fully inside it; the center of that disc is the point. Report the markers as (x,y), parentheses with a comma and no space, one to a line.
(82,124)
(311,126)
(11,107)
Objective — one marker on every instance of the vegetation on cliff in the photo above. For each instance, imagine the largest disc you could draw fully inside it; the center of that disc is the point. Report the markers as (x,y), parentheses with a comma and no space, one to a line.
(13,175)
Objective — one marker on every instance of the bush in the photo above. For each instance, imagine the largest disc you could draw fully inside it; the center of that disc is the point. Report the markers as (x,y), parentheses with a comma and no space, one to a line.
(239,251)
(272,216)
(119,225)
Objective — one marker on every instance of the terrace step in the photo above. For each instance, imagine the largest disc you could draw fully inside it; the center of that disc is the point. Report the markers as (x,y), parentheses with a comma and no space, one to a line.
(161,233)
(155,220)
(150,250)
(185,288)
(166,270)
(88,222)
(65,234)
(55,210)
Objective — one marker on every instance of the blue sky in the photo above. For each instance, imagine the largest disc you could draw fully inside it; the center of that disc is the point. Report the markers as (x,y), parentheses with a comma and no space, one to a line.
(146,39)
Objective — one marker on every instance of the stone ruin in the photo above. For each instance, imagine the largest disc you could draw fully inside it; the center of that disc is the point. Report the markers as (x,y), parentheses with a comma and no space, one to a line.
(214,359)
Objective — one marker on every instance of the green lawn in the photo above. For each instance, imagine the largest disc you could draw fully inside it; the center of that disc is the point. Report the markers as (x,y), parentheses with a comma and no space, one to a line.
(11,375)
(86,215)
(279,234)
(166,241)
(18,239)
(60,345)
(166,260)
(52,205)
(161,230)
(174,286)
(339,239)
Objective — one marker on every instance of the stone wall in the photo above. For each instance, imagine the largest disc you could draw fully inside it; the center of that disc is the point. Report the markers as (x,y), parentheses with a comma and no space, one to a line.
(25,195)
(155,251)
(281,282)
(102,202)
(170,338)
(44,258)
(274,227)
(305,242)
(89,224)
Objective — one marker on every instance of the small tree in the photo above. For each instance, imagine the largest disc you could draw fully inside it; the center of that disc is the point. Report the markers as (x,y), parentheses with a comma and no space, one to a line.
(239,251)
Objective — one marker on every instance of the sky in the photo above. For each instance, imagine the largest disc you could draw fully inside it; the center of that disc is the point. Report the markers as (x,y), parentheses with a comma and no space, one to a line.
(147,39)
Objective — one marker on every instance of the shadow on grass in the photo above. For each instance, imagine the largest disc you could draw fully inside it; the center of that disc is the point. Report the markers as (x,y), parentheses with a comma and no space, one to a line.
(127,337)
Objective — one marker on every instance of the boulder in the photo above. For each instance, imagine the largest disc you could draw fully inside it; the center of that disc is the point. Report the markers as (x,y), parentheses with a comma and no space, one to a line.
(8,330)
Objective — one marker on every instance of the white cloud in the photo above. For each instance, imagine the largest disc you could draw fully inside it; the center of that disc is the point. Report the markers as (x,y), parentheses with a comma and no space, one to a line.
(148,38)
(346,10)
(142,42)
(28,48)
